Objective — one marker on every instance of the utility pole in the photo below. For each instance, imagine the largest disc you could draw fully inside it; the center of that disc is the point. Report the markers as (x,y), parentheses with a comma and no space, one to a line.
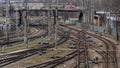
(89,14)
(25,25)
(83,5)
(83,36)
(78,50)
(92,14)
(117,32)
(49,20)
(85,48)
(109,27)
(7,21)
(17,17)
(56,25)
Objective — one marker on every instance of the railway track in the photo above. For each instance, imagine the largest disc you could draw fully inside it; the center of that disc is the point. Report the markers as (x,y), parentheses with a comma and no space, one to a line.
(12,35)
(102,53)
(105,54)
(109,54)
(34,35)
(56,62)
(13,32)
(110,50)
(21,55)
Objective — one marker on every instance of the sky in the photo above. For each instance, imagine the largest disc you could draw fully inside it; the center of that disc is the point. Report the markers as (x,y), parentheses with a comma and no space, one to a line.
(2,0)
